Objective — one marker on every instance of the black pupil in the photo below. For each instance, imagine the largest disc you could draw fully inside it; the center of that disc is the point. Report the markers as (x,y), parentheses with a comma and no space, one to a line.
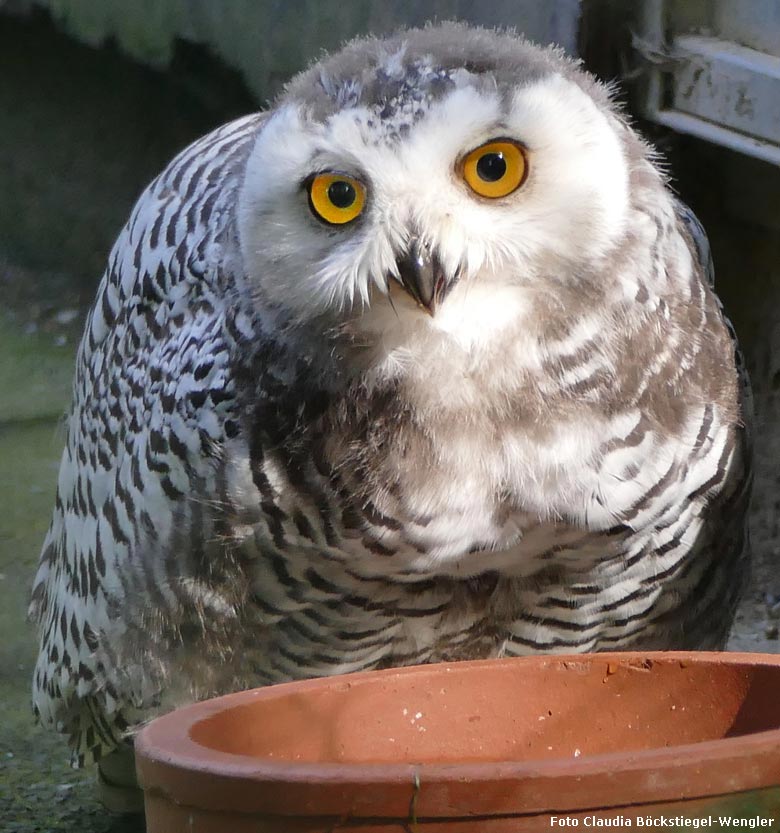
(341,194)
(491,167)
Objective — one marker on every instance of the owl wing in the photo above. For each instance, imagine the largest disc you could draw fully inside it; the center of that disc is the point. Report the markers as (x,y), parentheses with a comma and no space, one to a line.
(701,249)
(699,239)
(733,504)
(153,399)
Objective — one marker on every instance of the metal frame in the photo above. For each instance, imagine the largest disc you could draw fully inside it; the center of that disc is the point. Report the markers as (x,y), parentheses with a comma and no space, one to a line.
(710,87)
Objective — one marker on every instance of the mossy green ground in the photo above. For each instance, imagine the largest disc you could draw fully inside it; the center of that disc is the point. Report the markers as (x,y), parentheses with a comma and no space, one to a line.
(38,789)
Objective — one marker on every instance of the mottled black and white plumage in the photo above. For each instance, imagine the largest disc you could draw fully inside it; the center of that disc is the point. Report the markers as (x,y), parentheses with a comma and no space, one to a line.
(457,426)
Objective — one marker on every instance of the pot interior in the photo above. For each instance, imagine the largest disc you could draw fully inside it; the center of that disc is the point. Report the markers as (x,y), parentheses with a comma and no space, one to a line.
(500,711)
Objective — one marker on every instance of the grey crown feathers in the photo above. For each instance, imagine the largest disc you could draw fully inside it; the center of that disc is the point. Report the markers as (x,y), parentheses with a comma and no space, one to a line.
(421,364)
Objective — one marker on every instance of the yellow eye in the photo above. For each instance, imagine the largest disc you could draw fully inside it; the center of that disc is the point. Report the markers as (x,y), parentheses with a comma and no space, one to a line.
(495,169)
(336,198)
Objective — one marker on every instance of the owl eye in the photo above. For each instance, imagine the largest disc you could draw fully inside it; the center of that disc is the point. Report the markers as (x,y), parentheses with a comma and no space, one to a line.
(495,169)
(336,198)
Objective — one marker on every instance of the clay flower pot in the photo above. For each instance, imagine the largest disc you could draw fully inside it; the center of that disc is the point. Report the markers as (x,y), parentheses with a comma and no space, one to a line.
(500,746)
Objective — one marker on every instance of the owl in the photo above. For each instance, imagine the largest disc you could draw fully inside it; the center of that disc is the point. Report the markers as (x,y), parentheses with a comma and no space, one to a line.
(422,364)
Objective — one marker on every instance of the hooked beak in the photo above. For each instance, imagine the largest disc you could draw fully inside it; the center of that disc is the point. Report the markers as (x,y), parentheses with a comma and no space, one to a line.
(422,275)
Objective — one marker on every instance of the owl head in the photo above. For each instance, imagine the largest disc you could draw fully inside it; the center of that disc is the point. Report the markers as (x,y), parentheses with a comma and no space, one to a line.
(435,178)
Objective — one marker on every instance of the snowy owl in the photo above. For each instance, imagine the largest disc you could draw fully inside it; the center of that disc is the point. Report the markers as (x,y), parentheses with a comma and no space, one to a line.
(422,364)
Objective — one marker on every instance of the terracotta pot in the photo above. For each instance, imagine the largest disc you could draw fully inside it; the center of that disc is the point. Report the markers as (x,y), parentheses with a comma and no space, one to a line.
(500,746)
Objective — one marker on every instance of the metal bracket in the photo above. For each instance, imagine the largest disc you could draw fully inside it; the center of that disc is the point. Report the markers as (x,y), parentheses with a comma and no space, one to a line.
(711,87)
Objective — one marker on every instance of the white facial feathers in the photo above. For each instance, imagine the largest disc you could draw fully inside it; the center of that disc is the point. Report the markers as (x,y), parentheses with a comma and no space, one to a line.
(576,202)
(572,208)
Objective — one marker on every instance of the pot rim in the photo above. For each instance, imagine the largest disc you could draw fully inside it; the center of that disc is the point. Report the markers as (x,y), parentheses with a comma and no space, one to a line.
(171,763)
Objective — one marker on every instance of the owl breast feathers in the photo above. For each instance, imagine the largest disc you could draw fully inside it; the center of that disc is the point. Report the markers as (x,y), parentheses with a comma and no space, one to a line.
(421,364)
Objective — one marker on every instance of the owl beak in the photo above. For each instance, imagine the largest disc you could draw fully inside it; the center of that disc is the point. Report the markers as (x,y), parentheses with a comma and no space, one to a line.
(422,275)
